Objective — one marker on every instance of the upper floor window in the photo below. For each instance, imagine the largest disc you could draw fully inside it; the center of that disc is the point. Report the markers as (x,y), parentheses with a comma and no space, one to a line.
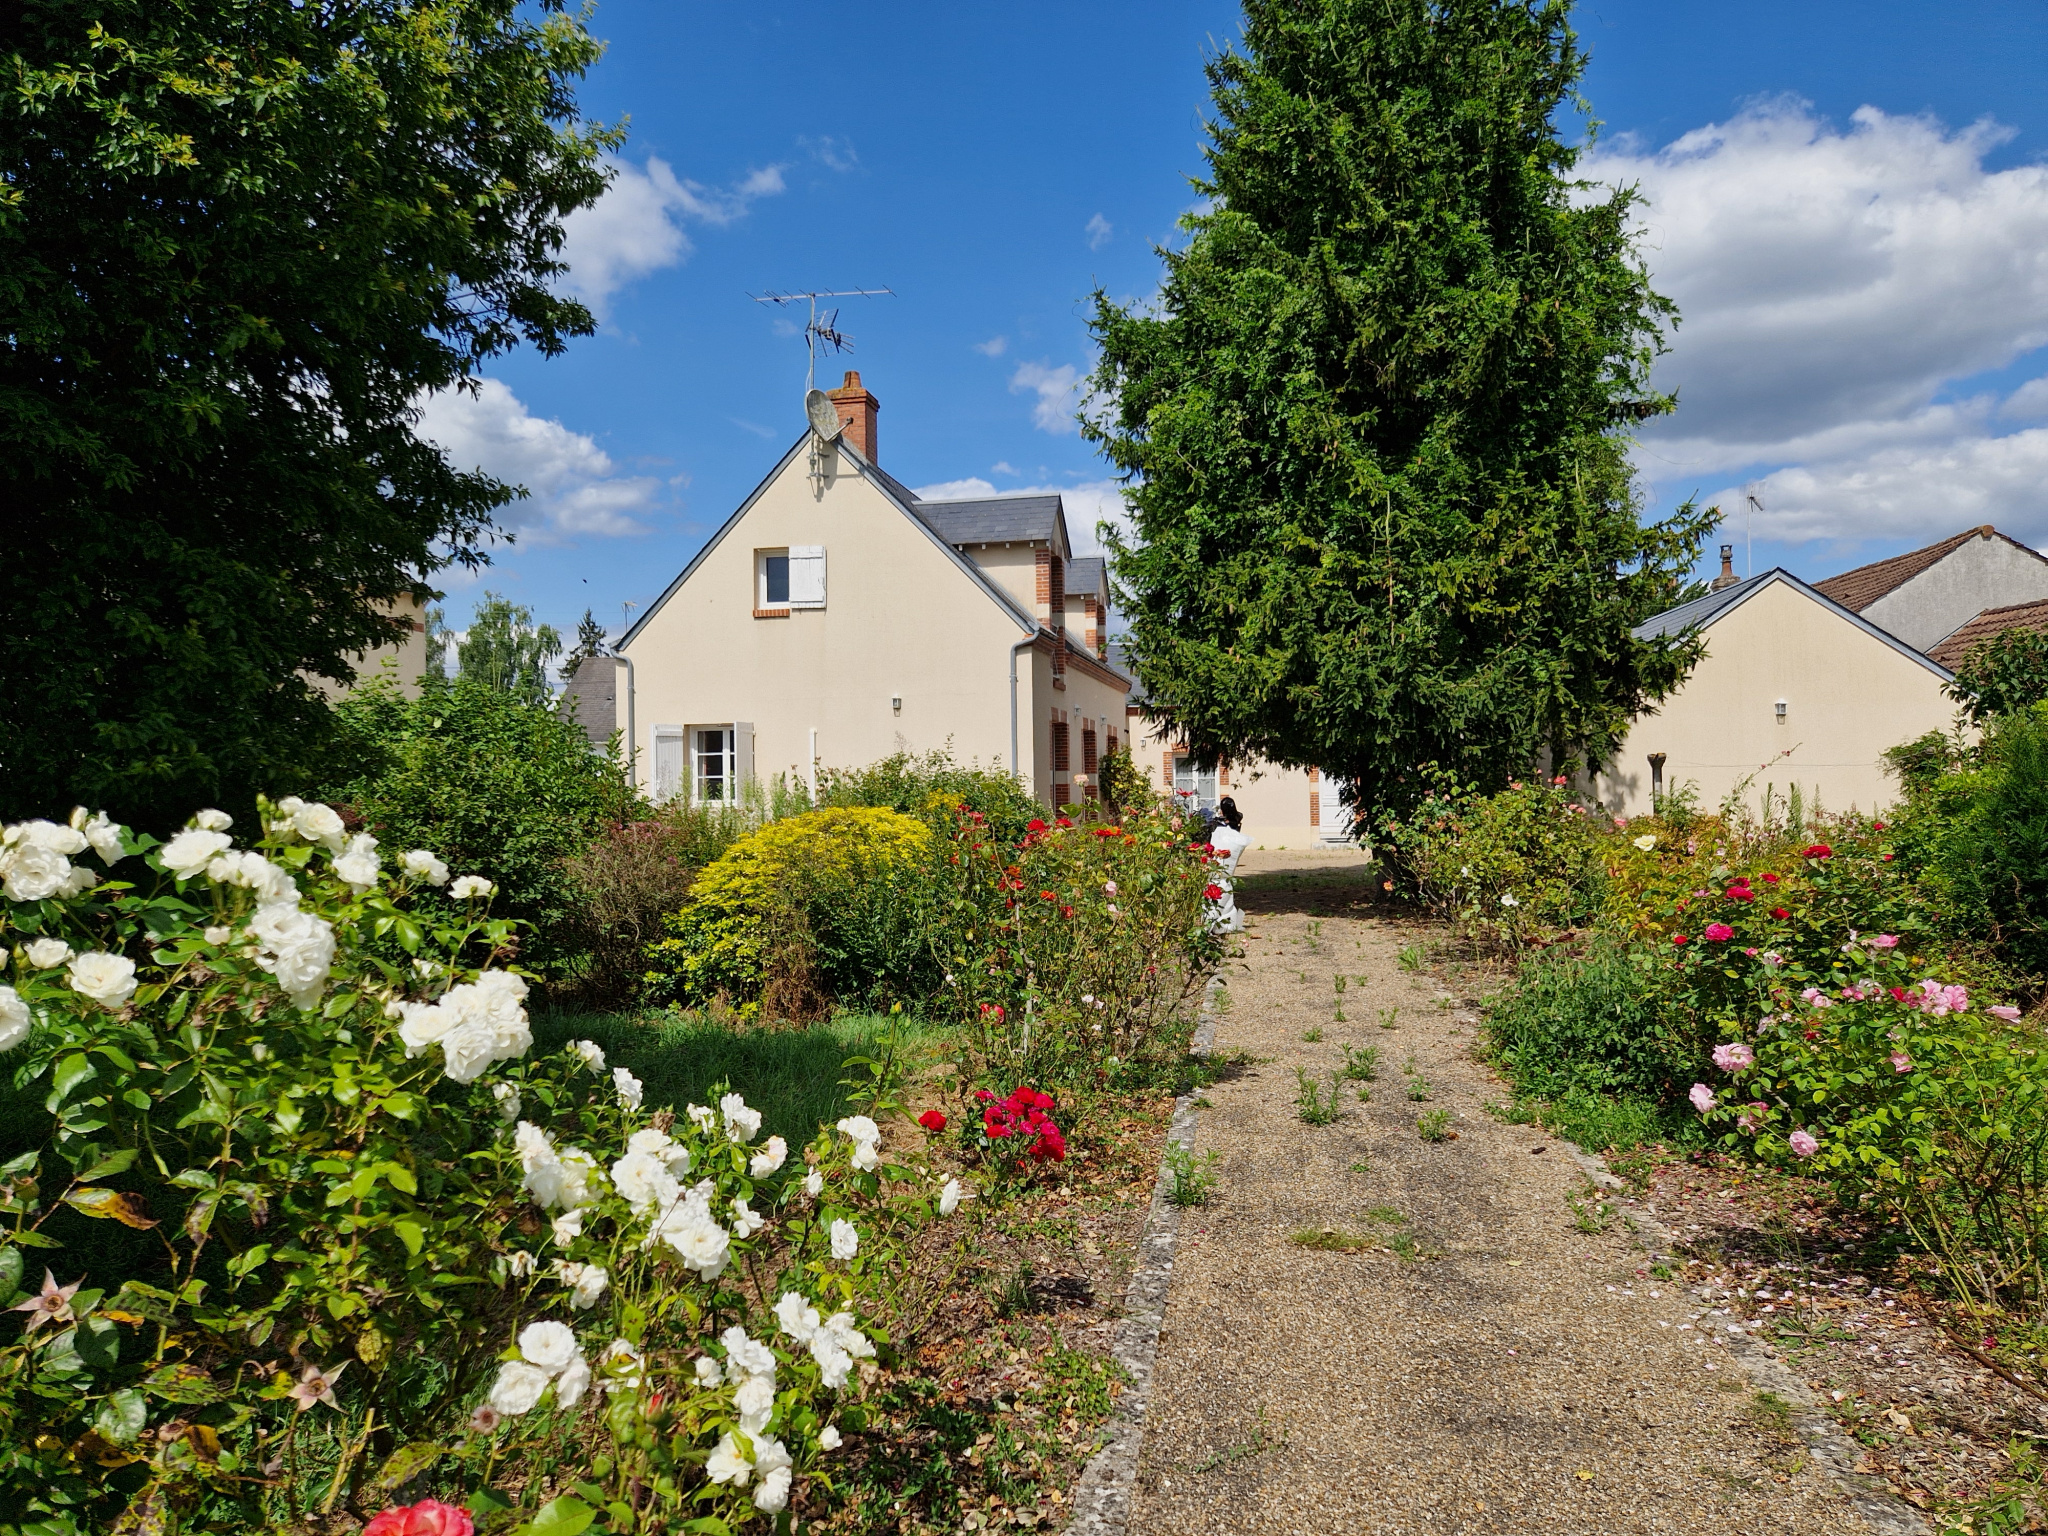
(771,578)
(789,578)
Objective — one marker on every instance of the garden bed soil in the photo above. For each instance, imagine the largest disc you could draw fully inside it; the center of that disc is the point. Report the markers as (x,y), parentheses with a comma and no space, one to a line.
(1369,1331)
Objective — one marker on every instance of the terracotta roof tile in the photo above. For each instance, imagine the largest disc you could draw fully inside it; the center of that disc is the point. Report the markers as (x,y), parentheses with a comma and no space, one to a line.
(1989,624)
(1856,590)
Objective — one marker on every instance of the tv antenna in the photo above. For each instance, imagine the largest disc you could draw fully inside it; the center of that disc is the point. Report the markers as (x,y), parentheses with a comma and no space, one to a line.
(1749,530)
(821,332)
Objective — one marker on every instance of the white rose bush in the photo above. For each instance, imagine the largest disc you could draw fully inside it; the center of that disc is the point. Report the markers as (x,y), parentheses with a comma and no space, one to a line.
(310,1221)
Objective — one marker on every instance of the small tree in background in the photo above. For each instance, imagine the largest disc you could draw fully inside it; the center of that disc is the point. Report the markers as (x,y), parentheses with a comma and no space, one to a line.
(2005,675)
(590,641)
(1376,421)
(503,649)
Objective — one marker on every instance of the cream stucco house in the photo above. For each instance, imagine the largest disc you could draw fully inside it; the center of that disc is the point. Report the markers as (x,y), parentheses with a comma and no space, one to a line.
(837,617)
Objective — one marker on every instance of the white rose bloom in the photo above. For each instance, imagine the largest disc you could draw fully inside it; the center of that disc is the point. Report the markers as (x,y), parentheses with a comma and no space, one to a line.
(798,1317)
(754,1403)
(746,1221)
(358,864)
(321,824)
(746,1356)
(591,1053)
(49,835)
(14,1018)
(643,1181)
(557,1179)
(549,1345)
(507,1097)
(107,979)
(422,865)
(726,1464)
(47,954)
(572,1383)
(77,881)
(105,837)
(470,885)
(835,1365)
(567,1227)
(709,1373)
(703,1117)
(840,1329)
(586,1282)
(866,1154)
(483,1022)
(218,935)
(213,821)
(623,1363)
(517,1388)
(628,1086)
(296,947)
(773,1153)
(845,1240)
(272,884)
(741,1123)
(867,1140)
(772,1475)
(829,1437)
(701,1243)
(658,1144)
(949,1198)
(29,872)
(422,1024)
(521,1263)
(578,1171)
(814,1182)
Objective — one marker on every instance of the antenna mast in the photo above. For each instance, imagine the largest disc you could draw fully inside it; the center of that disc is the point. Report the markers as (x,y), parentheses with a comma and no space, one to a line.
(1749,531)
(826,331)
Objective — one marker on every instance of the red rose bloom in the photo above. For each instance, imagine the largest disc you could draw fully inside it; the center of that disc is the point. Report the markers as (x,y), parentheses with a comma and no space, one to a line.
(1064,822)
(1034,825)
(1877,826)
(982,1095)
(1900,994)
(1739,893)
(1719,933)
(1780,913)
(932,1121)
(1770,879)
(1817,851)
(429,1517)
(1678,938)
(1213,892)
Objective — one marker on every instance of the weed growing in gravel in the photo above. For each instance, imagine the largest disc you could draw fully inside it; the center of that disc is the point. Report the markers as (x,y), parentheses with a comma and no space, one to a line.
(1312,1036)
(1403,1246)
(1333,1239)
(1412,958)
(1662,1272)
(1434,1125)
(1193,1177)
(1361,1062)
(1309,1100)
(1364,1094)
(1418,1086)
(1222,1003)
(1388,1016)
(1773,1415)
(1385,1213)
(1263,1439)
(1363,1165)
(1340,999)
(1013,1292)
(1589,1212)
(1314,938)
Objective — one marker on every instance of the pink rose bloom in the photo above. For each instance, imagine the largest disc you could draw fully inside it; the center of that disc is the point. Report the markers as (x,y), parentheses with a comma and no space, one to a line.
(1885,941)
(1803,1144)
(1745,1125)
(1816,997)
(1702,1097)
(2003,1012)
(1901,1062)
(1734,1056)
(1751,953)
(429,1517)
(1719,933)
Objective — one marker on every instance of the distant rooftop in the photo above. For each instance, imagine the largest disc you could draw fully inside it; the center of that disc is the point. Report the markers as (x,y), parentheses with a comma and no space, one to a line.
(993,519)
(1988,625)
(1856,590)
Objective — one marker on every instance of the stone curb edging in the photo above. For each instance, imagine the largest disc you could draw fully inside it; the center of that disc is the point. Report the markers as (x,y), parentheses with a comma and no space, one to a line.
(1882,1510)
(1101,1500)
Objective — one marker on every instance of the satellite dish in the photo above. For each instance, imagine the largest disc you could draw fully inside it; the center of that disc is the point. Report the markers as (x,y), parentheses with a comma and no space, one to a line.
(824,418)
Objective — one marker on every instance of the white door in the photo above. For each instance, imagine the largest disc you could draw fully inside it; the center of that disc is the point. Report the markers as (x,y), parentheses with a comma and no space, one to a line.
(668,761)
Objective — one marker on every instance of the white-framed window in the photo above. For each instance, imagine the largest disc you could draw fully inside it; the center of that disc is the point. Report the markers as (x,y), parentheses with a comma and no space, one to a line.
(771,578)
(668,761)
(806,575)
(721,761)
(1194,783)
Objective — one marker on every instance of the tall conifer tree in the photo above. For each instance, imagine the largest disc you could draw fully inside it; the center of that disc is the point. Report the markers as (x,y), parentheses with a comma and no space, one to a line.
(1376,421)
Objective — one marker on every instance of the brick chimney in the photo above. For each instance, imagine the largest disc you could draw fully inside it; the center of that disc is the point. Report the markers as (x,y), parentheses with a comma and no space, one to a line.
(856,408)
(1727,578)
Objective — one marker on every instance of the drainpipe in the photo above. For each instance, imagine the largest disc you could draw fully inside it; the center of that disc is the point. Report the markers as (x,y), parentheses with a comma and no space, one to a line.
(632,739)
(1020,645)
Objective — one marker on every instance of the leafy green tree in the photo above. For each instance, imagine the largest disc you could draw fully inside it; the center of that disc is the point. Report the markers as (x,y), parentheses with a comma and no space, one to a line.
(1376,419)
(239,241)
(504,649)
(2005,675)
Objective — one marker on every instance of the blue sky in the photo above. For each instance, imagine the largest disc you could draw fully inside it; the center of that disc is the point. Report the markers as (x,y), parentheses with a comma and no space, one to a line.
(1849,204)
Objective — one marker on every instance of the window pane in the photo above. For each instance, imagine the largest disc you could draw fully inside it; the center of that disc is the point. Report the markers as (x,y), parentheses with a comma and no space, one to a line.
(778,581)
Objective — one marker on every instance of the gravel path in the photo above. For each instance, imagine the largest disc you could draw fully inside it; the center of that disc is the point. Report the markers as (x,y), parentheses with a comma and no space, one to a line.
(1517,1374)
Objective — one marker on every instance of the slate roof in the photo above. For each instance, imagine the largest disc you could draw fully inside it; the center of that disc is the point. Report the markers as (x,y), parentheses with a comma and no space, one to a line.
(1987,625)
(995,519)
(1120,658)
(1090,573)
(1856,590)
(1703,611)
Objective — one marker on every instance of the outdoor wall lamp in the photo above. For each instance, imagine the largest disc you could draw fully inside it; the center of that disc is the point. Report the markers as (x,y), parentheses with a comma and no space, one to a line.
(1781,711)
(1656,773)
(896,704)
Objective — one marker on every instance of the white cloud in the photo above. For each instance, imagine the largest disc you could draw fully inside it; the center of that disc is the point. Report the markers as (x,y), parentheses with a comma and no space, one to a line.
(637,226)
(1089,503)
(995,346)
(573,487)
(1099,231)
(1835,286)
(1002,467)
(1058,390)
(835,154)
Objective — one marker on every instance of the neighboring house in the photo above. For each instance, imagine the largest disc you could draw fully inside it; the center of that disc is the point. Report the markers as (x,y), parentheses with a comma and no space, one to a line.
(405,661)
(836,618)
(1791,670)
(1927,595)
(1283,807)
(1989,625)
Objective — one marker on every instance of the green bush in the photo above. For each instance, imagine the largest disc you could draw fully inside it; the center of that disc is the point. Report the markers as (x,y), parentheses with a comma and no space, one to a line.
(931,787)
(1589,1023)
(496,787)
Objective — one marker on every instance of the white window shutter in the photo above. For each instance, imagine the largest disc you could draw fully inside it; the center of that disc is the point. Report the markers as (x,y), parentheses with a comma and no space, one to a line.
(668,761)
(806,575)
(742,751)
